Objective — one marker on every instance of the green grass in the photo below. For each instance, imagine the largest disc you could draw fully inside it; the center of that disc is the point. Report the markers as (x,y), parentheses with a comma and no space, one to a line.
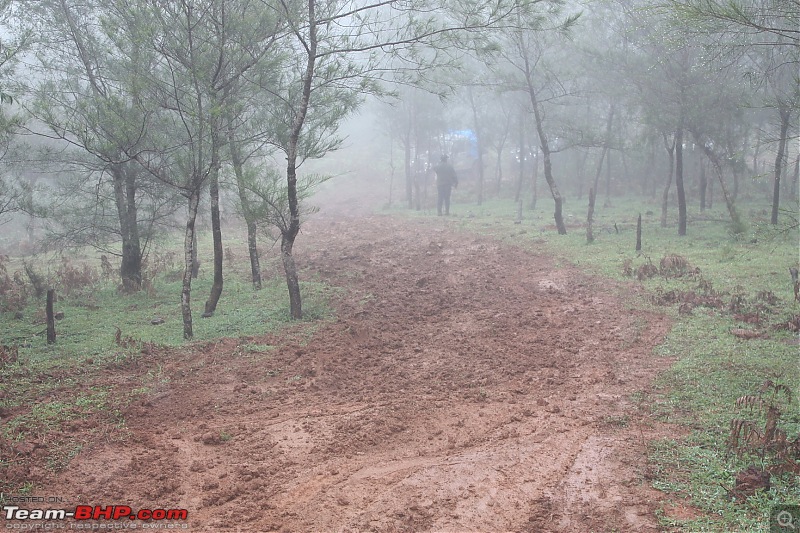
(47,391)
(713,367)
(93,314)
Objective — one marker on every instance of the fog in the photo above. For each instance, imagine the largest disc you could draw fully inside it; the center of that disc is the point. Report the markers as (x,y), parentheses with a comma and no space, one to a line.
(127,123)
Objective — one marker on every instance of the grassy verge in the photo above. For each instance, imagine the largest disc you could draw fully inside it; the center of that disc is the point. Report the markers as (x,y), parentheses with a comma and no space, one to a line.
(743,285)
(53,396)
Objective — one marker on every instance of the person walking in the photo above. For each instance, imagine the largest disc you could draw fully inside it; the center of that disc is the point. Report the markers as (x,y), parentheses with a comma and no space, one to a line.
(446,179)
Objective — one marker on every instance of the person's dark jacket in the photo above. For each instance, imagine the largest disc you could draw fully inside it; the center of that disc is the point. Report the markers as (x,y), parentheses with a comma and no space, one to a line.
(446,175)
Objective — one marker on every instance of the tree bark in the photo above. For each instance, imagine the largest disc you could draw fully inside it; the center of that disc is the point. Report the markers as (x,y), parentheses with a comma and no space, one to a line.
(729,201)
(785,114)
(639,233)
(51,320)
(710,194)
(289,233)
(124,182)
(189,258)
(534,176)
(522,155)
(418,173)
(606,145)
(247,211)
(651,158)
(665,197)
(548,166)
(599,169)
(545,146)
(409,172)
(216,223)
(607,202)
(679,181)
(500,147)
(252,249)
(216,233)
(391,168)
(703,184)
(757,151)
(292,282)
(589,218)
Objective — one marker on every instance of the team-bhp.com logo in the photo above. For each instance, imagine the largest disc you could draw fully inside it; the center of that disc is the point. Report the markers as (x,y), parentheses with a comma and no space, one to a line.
(114,513)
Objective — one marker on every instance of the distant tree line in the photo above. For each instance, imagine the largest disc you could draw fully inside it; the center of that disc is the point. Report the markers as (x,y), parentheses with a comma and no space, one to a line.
(137,110)
(664,98)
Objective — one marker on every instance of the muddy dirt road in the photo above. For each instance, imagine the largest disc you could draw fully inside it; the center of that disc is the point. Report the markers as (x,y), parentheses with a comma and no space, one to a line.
(466,385)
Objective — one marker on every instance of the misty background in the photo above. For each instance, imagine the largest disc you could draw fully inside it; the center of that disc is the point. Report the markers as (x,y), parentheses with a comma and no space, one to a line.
(123,122)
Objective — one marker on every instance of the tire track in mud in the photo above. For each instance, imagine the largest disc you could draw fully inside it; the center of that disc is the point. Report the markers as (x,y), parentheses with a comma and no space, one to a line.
(466,385)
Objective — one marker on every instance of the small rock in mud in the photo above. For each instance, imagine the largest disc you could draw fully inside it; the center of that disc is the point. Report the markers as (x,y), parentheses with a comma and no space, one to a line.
(197,466)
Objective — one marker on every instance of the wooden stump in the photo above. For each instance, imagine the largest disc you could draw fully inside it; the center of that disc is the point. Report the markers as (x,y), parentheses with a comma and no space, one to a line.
(639,233)
(51,319)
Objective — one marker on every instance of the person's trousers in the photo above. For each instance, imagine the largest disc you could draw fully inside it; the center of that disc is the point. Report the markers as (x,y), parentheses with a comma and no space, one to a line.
(443,199)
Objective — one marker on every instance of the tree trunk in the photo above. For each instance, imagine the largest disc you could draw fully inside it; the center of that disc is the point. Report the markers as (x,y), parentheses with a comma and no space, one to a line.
(607,202)
(729,202)
(252,249)
(500,147)
(391,169)
(499,170)
(247,211)
(50,316)
(786,168)
(548,166)
(534,176)
(124,181)
(711,194)
(703,184)
(785,115)
(639,233)
(756,152)
(651,159)
(189,244)
(417,172)
(796,176)
(409,171)
(290,231)
(545,146)
(216,233)
(292,283)
(522,156)
(288,236)
(606,145)
(28,193)
(626,173)
(599,169)
(195,260)
(589,218)
(418,176)
(679,181)
(665,197)
(216,223)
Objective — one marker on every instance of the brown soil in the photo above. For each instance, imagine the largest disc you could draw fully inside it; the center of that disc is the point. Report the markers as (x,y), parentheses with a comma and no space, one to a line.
(466,385)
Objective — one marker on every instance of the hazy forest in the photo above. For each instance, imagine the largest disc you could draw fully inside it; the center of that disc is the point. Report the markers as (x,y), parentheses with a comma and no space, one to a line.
(231,298)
